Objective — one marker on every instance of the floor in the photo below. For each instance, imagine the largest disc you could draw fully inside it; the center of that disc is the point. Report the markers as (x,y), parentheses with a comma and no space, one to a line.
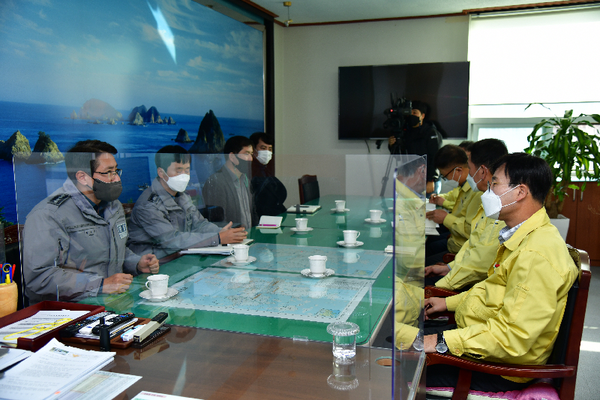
(588,376)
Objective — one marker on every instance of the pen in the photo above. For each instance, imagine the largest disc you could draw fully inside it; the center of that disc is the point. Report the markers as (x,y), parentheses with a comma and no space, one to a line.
(299,206)
(267,225)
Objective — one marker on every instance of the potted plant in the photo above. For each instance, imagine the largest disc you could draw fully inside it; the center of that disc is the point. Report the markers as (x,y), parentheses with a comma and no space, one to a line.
(569,151)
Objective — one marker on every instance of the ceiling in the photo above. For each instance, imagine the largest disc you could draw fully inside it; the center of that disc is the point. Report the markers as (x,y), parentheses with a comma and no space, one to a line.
(327,11)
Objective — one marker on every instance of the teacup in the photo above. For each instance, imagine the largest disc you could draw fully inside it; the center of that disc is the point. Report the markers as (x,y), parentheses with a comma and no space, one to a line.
(351,236)
(158,285)
(375,232)
(317,264)
(375,215)
(351,257)
(240,252)
(340,205)
(301,224)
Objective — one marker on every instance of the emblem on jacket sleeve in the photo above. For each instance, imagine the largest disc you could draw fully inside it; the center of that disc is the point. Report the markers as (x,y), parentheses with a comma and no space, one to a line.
(122,229)
(59,199)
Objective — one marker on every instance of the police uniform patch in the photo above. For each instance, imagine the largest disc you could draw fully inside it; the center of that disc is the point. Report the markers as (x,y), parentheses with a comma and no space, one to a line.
(59,199)
(122,229)
(153,198)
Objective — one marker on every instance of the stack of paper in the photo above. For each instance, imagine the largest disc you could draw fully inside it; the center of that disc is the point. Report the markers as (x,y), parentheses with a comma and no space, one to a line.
(269,222)
(51,371)
(221,249)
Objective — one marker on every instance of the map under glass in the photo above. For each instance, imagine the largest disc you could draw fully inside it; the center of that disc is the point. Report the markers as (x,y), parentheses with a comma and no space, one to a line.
(270,294)
(289,258)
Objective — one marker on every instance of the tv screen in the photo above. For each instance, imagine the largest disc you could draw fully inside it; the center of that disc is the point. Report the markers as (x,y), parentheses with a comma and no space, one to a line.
(365,93)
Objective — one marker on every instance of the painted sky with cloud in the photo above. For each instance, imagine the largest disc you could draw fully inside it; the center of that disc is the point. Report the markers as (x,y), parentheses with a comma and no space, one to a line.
(67,52)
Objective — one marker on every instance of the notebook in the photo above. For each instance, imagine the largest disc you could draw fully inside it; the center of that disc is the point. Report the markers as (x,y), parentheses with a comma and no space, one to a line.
(303,209)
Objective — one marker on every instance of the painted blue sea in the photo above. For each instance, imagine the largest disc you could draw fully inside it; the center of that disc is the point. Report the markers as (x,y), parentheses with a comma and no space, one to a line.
(136,144)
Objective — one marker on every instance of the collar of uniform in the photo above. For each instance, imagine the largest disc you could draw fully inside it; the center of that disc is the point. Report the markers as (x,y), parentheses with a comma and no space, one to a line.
(83,203)
(538,219)
(465,187)
(165,197)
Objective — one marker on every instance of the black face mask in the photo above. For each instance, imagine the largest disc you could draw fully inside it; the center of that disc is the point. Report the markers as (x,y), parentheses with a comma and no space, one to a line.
(107,191)
(244,166)
(413,120)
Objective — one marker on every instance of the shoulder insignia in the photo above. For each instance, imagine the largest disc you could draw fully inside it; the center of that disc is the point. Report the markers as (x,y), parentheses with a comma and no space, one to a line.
(153,198)
(59,199)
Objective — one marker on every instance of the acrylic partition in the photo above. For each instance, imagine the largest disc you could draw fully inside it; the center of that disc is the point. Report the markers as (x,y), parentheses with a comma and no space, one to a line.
(409,261)
(271,293)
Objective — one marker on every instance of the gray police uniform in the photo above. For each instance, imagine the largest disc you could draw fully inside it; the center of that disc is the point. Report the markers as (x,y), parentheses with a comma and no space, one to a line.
(163,224)
(68,248)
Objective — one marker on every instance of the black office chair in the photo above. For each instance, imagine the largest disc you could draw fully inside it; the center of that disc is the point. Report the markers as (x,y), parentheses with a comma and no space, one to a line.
(213,213)
(308,188)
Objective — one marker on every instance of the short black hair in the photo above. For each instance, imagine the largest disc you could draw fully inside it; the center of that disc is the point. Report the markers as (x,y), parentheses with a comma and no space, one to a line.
(529,170)
(487,152)
(83,157)
(466,145)
(409,167)
(256,136)
(235,144)
(170,154)
(450,155)
(421,106)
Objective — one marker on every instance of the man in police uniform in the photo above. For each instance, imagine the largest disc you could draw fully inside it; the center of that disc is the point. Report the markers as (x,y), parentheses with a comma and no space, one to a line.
(75,239)
(164,219)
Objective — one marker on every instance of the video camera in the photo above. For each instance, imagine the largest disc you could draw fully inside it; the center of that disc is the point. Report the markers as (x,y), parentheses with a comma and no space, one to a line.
(397,114)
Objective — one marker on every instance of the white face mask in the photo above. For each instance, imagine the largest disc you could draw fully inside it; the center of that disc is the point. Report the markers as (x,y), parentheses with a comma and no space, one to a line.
(264,156)
(449,184)
(472,182)
(178,183)
(492,203)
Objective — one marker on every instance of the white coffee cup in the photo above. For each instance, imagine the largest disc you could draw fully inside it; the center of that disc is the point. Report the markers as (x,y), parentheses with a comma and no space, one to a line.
(317,264)
(351,257)
(240,252)
(375,215)
(301,224)
(158,285)
(351,236)
(375,232)
(340,205)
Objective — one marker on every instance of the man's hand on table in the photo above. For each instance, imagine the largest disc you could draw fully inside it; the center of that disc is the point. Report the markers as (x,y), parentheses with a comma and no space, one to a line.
(232,235)
(436,216)
(117,283)
(148,264)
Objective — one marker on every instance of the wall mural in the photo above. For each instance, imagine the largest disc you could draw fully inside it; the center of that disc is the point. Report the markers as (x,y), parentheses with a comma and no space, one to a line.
(139,75)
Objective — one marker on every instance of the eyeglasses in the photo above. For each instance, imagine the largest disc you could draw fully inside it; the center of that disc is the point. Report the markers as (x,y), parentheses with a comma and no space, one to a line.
(111,174)
(445,177)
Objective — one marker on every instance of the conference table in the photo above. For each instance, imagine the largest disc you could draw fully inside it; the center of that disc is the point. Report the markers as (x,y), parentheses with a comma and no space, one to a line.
(259,330)
(271,296)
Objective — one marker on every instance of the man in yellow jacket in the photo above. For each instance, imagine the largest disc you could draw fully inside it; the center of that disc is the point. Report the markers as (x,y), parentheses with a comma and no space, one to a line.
(514,315)
(452,162)
(474,258)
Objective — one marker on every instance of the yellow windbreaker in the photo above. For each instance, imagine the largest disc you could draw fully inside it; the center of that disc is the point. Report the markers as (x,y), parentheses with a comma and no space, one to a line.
(472,262)
(514,315)
(459,220)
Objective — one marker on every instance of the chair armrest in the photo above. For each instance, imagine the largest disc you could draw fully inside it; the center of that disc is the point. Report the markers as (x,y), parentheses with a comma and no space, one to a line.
(524,371)
(448,257)
(434,291)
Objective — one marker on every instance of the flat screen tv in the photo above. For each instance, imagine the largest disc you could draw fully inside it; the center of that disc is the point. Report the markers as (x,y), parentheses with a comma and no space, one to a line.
(365,93)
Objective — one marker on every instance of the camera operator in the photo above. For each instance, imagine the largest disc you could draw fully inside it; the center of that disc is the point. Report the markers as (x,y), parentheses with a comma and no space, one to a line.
(418,137)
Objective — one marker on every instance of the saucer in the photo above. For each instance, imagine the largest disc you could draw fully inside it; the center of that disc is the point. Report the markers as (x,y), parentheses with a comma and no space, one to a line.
(374,221)
(147,296)
(344,244)
(308,229)
(335,210)
(306,272)
(231,260)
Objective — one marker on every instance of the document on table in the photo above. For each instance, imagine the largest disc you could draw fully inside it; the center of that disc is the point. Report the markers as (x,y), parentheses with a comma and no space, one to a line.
(51,371)
(219,250)
(100,385)
(38,324)
(9,357)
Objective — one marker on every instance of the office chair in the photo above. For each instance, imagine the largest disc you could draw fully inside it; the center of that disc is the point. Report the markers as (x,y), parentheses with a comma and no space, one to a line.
(308,188)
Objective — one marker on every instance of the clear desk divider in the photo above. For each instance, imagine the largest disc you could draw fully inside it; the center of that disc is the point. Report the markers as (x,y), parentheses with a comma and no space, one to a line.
(410,185)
